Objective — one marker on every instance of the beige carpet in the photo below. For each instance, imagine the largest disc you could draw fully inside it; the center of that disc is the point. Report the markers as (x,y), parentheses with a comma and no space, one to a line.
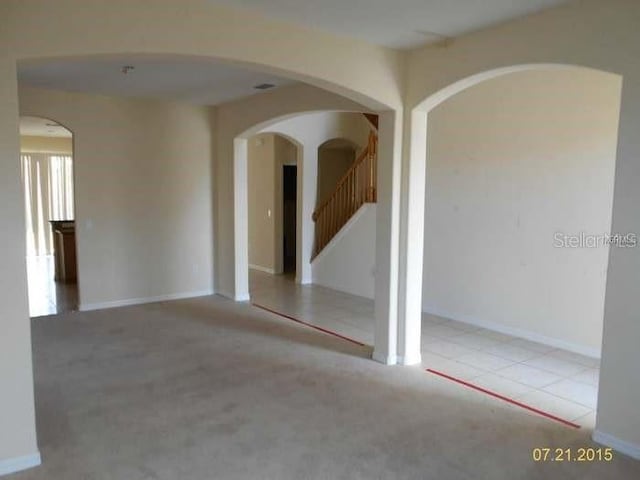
(207,389)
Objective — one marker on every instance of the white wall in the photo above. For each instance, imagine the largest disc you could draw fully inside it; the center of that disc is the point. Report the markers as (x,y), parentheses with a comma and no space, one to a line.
(143,194)
(347,263)
(511,162)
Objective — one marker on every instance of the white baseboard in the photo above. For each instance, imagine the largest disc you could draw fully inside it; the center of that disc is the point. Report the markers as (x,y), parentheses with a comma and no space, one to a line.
(384,358)
(520,332)
(245,297)
(262,269)
(410,359)
(618,445)
(236,298)
(303,280)
(139,301)
(17,464)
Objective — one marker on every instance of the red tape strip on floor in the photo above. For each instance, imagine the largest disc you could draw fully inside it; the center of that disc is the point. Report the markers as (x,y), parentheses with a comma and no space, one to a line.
(502,397)
(315,327)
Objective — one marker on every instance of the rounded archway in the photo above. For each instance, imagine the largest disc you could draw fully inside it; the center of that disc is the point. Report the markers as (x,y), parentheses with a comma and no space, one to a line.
(411,264)
(510,163)
(47,175)
(272,199)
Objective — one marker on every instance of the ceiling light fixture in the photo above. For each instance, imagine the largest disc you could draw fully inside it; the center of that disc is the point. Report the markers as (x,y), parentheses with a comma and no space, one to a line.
(264,86)
(127,68)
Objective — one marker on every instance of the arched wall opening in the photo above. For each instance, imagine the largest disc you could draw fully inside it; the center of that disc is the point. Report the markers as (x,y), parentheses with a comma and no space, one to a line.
(112,169)
(193,40)
(411,262)
(516,166)
(308,131)
(47,175)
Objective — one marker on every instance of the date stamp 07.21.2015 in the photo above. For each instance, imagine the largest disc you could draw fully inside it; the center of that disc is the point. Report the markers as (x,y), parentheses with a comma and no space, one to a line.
(582,454)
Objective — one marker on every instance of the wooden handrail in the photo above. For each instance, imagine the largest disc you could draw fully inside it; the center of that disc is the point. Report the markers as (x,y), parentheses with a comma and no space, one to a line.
(356,187)
(342,180)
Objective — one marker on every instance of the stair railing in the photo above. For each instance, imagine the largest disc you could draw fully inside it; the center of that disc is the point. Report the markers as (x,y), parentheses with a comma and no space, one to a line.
(356,187)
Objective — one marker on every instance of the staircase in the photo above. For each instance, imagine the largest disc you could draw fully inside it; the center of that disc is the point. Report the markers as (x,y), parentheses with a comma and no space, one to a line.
(355,188)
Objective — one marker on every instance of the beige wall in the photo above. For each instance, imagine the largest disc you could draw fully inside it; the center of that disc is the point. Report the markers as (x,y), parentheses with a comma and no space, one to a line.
(333,163)
(36,144)
(263,167)
(143,194)
(511,162)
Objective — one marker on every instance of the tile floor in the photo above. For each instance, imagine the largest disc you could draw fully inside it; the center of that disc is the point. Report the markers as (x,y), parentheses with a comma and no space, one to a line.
(47,297)
(559,382)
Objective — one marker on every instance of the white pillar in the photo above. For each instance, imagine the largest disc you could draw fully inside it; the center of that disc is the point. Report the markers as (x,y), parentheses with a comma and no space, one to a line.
(618,422)
(240,221)
(18,448)
(306,202)
(412,239)
(387,229)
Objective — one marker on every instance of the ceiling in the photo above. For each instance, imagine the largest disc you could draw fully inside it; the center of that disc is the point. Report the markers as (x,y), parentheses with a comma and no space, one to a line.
(42,127)
(200,82)
(395,23)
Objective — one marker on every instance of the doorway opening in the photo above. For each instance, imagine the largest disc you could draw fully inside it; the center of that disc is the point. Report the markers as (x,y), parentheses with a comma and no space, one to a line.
(289,213)
(46,156)
(516,166)
(272,205)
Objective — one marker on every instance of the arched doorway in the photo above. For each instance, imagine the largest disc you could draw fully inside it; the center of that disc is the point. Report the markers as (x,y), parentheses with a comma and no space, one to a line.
(46,156)
(306,138)
(512,162)
(272,199)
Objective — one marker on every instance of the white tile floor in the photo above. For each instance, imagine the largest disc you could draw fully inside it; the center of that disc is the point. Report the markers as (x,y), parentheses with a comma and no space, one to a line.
(47,297)
(559,382)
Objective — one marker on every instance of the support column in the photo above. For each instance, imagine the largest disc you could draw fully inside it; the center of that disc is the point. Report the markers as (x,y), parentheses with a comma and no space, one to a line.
(618,423)
(412,239)
(240,221)
(387,229)
(18,448)
(306,200)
